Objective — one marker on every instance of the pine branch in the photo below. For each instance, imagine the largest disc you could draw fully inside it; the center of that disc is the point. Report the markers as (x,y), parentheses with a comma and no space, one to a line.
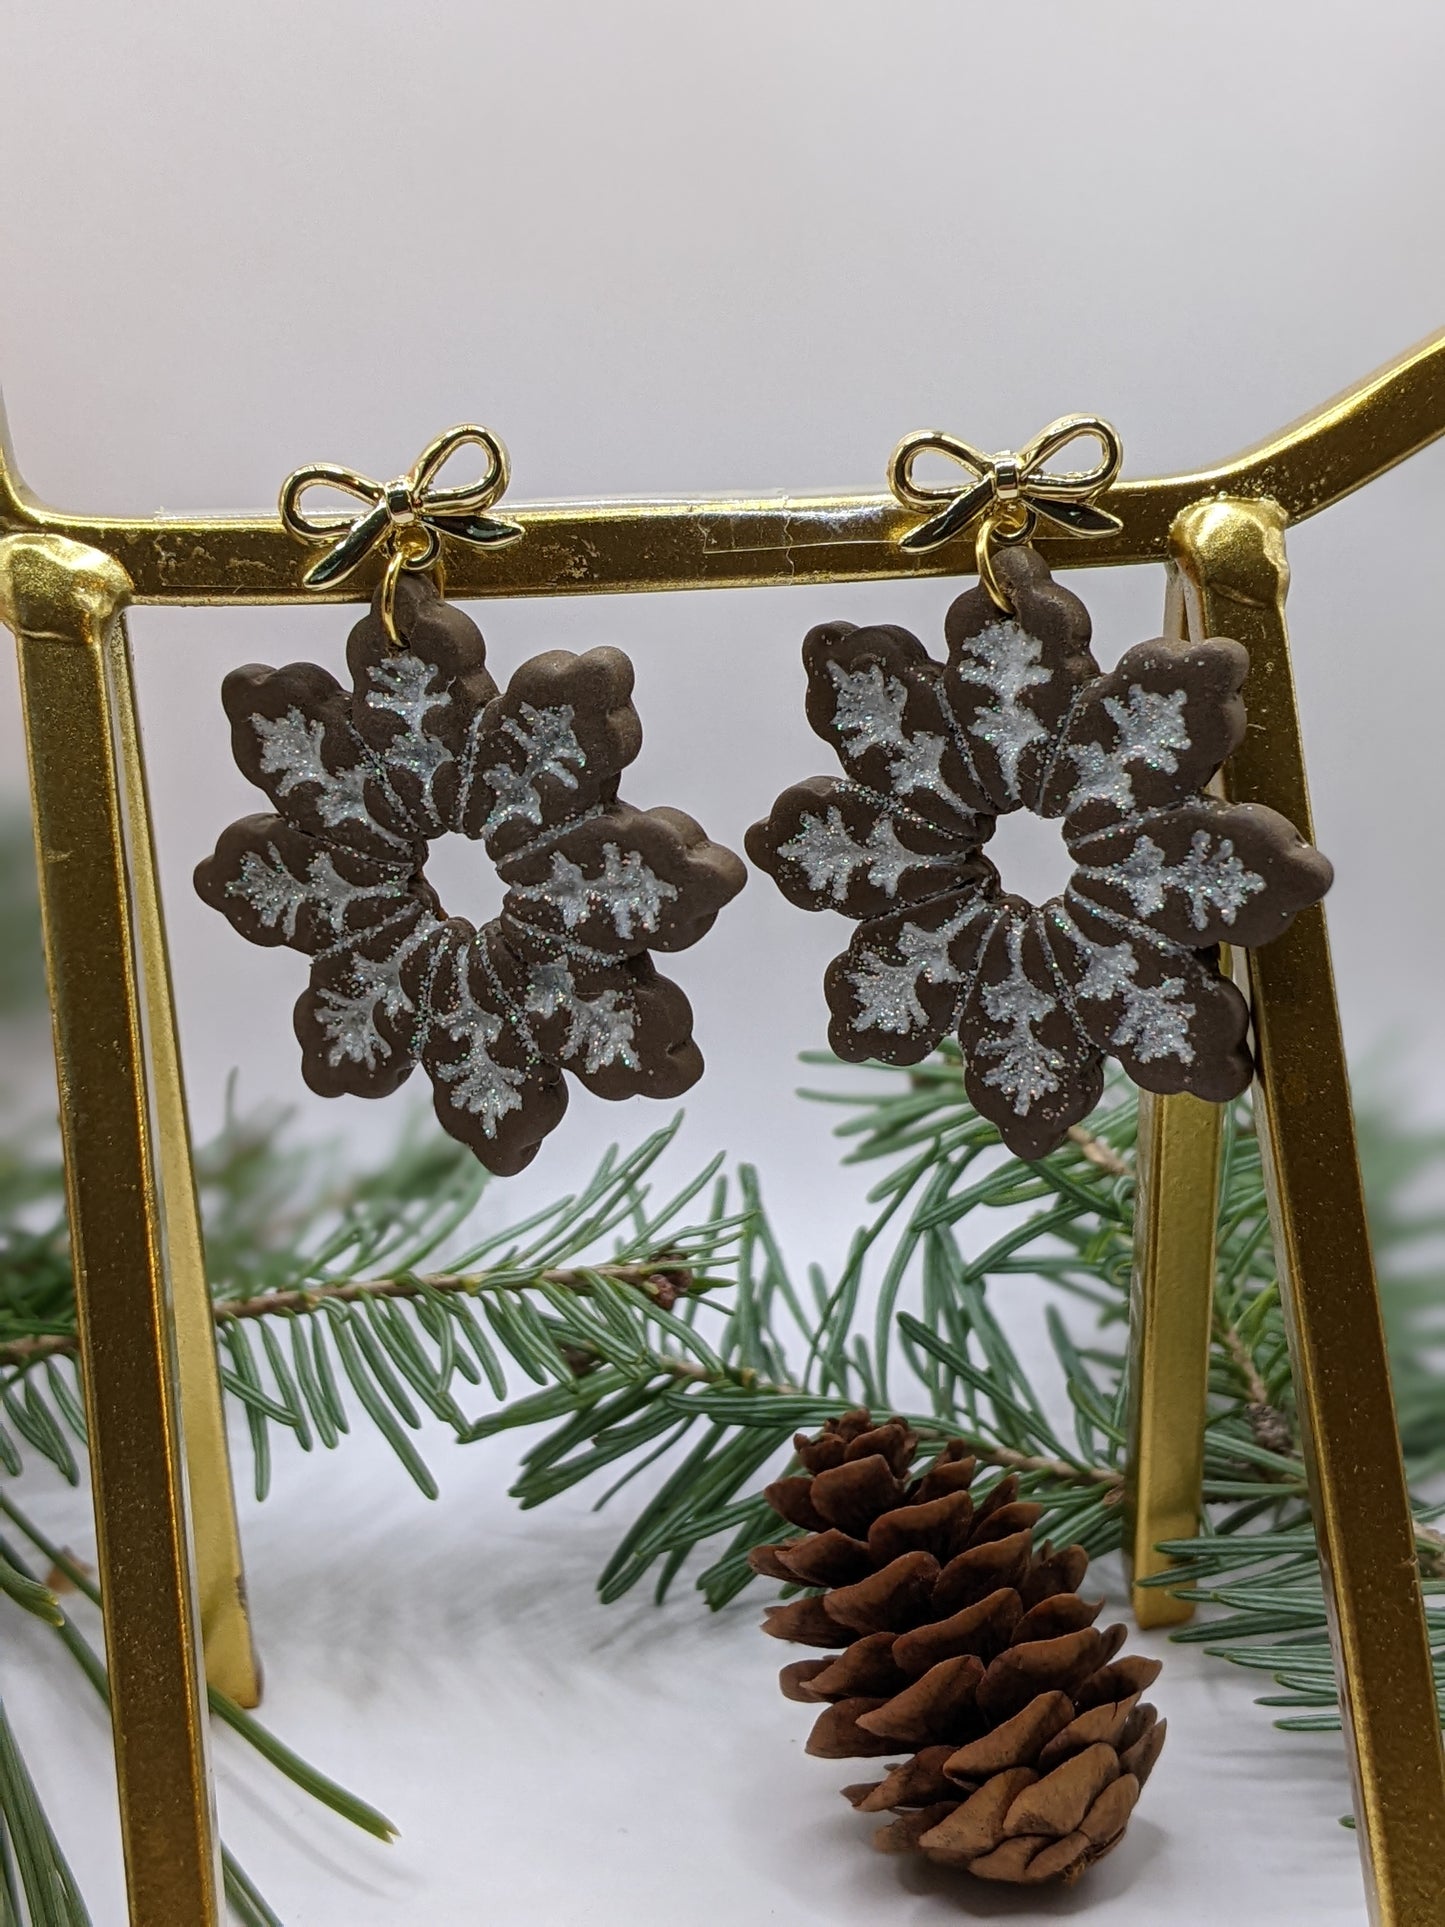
(1271,1427)
(53,1897)
(1097,1152)
(1430,1549)
(945,1172)
(411,1338)
(244,1898)
(642,1359)
(664,1280)
(35,1879)
(687,1352)
(683,1371)
(784,1363)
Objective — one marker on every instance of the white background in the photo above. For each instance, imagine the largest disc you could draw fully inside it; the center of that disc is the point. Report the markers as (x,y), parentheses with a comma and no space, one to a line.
(672,250)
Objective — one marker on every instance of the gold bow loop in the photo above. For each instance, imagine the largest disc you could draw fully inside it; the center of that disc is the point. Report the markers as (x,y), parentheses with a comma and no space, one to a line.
(409,516)
(1016,489)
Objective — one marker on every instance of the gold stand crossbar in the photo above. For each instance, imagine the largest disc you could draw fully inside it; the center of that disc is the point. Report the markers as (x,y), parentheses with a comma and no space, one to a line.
(147,1344)
(584,548)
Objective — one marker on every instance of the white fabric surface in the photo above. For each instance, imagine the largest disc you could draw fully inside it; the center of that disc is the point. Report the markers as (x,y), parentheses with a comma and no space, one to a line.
(552,1762)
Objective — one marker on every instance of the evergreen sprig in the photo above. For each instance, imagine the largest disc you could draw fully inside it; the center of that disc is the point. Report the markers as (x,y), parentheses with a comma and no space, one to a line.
(688,1352)
(333,1280)
(908,1325)
(666,1342)
(332,1273)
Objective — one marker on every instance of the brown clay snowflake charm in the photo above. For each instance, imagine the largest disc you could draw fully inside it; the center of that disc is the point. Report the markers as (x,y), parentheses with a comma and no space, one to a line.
(1124,963)
(362,780)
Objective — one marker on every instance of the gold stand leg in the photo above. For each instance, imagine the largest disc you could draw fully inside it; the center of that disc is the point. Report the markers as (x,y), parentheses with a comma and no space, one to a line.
(1232,560)
(230,1658)
(1172,1303)
(63,602)
(1170,1312)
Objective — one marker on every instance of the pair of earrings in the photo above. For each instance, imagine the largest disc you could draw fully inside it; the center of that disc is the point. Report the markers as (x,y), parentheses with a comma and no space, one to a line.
(1125,963)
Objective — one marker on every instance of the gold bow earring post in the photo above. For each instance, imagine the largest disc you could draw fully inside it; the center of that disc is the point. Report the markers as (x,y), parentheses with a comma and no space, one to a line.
(407,517)
(1011,491)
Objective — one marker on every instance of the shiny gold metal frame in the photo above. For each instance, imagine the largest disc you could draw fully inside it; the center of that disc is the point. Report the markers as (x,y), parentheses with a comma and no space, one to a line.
(169,1551)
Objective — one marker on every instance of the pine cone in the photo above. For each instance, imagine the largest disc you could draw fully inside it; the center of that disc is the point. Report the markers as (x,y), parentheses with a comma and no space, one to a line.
(965,1648)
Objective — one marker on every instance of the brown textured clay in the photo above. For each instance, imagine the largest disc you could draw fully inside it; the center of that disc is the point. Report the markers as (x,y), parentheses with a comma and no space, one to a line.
(1124,962)
(362,780)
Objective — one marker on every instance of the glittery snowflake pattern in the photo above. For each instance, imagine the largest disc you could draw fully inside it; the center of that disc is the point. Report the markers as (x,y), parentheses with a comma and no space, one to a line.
(361,782)
(1124,963)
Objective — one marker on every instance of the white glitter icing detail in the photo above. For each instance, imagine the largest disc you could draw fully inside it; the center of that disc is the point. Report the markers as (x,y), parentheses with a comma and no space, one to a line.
(550,988)
(291,749)
(403,685)
(277,898)
(1150,728)
(600,1030)
(348,1017)
(1154,1022)
(479,1084)
(1027,1069)
(887,992)
(1005,659)
(628,892)
(1210,877)
(825,851)
(273,894)
(869,708)
(919,767)
(334,895)
(549,748)
(348,1020)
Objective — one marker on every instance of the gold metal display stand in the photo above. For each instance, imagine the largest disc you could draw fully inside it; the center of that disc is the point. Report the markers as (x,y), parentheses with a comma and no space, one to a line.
(169,1551)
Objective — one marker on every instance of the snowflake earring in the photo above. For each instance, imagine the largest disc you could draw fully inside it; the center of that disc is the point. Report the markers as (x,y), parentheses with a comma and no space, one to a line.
(362,780)
(1125,962)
